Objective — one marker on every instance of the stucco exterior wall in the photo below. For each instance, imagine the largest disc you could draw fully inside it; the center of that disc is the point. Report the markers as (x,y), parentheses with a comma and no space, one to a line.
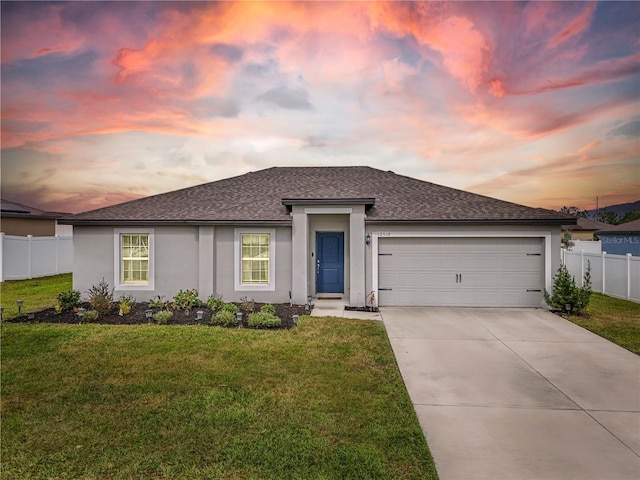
(175,261)
(203,258)
(308,220)
(224,272)
(188,257)
(92,257)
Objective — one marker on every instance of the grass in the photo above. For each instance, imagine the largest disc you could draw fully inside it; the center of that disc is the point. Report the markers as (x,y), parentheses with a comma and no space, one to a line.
(37,293)
(614,319)
(323,401)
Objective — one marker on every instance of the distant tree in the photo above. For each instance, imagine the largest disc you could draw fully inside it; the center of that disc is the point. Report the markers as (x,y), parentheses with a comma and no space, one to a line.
(607,216)
(630,216)
(574,211)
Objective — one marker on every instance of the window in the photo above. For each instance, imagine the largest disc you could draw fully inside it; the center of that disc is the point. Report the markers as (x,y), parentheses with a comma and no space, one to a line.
(254,259)
(133,259)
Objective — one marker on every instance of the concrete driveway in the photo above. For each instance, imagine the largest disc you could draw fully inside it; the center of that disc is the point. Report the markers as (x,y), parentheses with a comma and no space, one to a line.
(518,394)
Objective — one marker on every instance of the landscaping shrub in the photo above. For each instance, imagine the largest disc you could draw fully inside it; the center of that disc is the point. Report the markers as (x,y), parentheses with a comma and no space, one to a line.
(215,302)
(247,305)
(566,292)
(101,297)
(162,316)
(263,319)
(68,300)
(187,299)
(224,318)
(268,308)
(90,315)
(230,307)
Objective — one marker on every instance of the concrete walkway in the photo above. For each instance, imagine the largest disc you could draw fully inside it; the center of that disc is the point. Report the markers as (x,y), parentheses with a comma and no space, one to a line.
(336,308)
(518,394)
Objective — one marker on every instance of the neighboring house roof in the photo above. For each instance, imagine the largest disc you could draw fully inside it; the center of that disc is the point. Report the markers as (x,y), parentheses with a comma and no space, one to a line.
(584,224)
(11,209)
(623,228)
(266,197)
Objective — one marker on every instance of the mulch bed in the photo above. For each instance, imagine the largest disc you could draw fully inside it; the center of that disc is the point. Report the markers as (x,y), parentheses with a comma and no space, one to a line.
(137,315)
(362,309)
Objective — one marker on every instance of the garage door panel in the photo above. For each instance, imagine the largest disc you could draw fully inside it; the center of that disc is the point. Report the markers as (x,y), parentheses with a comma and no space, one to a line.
(404,261)
(477,279)
(410,296)
(460,271)
(412,279)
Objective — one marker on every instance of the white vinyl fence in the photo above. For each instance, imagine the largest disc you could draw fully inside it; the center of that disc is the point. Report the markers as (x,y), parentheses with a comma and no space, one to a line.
(614,275)
(31,257)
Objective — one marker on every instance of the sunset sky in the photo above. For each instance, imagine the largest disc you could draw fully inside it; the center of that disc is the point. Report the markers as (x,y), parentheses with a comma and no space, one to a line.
(536,103)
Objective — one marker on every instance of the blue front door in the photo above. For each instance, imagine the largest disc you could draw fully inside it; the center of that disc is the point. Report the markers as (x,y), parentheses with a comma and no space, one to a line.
(330,262)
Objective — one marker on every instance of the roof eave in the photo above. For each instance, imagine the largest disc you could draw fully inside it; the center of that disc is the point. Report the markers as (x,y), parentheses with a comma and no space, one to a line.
(33,216)
(159,223)
(467,222)
(328,201)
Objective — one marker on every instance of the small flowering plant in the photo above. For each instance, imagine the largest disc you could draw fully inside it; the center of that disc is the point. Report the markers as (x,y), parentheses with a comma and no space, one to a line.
(186,299)
(160,302)
(125,303)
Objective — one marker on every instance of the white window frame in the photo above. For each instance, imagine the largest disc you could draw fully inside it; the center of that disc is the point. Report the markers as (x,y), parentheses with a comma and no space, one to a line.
(237,260)
(117,259)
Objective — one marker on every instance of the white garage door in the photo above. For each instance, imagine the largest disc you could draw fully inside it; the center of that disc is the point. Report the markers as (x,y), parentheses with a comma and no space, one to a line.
(479,272)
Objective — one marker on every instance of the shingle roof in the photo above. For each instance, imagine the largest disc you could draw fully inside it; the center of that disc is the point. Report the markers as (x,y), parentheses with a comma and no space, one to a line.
(586,224)
(629,227)
(257,197)
(11,209)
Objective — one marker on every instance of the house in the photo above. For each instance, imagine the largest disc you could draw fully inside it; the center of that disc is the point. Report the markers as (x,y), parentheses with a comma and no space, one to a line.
(621,239)
(367,236)
(583,230)
(22,220)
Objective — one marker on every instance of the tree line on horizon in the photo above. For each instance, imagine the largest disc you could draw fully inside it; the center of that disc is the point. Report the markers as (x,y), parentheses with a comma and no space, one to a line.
(602,215)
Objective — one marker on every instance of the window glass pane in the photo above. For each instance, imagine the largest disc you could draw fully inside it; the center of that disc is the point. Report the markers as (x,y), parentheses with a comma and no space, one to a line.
(255,258)
(135,258)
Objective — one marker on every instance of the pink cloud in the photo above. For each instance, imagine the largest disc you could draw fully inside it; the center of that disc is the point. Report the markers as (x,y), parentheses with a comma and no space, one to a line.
(452,89)
(46,34)
(496,88)
(465,51)
(584,170)
(468,56)
(605,71)
(130,61)
(577,26)
(590,146)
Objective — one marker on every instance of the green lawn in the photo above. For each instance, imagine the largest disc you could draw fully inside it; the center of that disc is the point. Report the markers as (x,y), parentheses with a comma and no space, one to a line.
(37,293)
(323,401)
(614,319)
